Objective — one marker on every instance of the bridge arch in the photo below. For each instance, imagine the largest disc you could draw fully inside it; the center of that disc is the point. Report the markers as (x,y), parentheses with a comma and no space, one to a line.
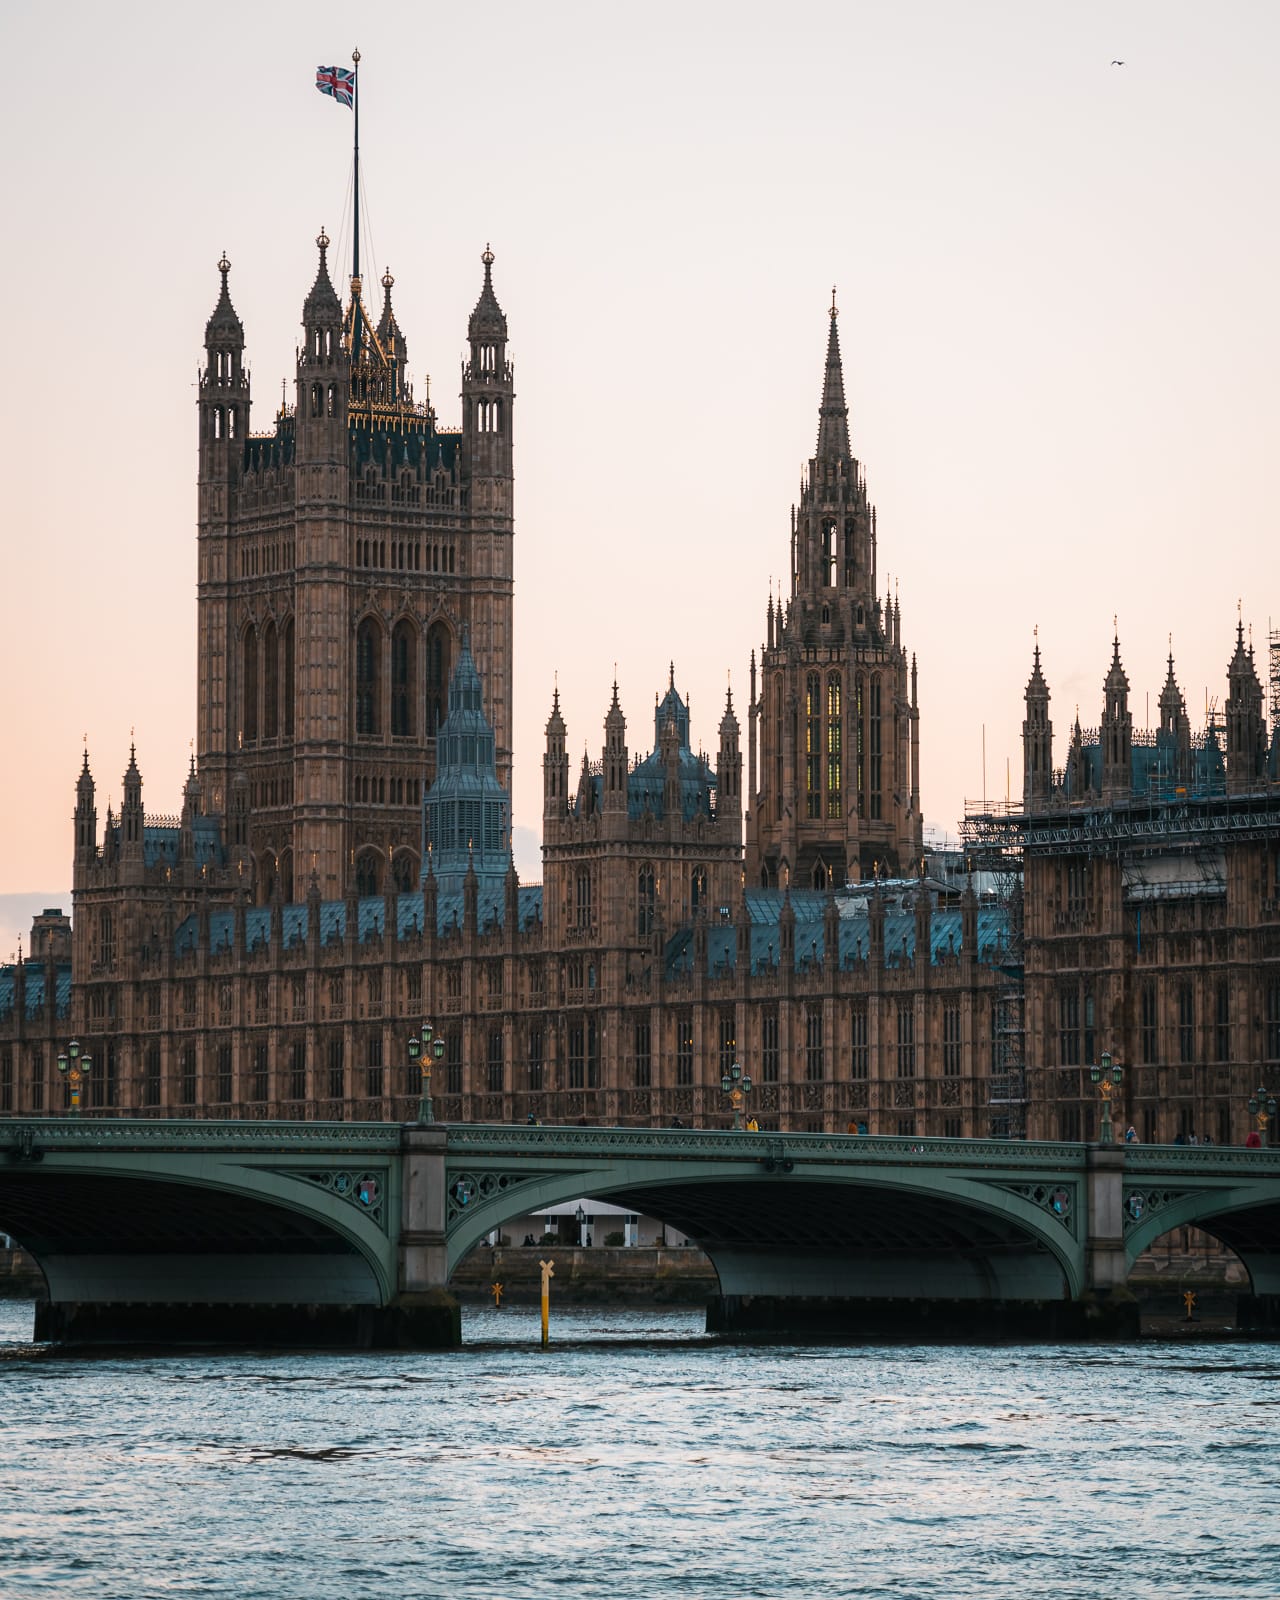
(813,1230)
(172,1227)
(1244,1216)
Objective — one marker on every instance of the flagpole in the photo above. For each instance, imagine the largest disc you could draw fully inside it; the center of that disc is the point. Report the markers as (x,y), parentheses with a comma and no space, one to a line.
(355,106)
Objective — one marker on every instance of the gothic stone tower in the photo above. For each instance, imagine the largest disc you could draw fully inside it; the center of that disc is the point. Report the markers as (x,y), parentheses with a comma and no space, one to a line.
(835,796)
(341,556)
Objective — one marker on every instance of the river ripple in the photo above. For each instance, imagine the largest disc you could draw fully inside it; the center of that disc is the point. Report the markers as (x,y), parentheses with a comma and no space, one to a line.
(632,1463)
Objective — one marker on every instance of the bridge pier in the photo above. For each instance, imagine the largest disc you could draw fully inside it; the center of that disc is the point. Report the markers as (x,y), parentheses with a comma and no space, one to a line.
(918,1320)
(425,1315)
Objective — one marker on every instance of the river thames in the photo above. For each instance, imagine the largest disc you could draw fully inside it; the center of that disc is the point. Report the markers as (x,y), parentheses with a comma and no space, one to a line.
(637,1460)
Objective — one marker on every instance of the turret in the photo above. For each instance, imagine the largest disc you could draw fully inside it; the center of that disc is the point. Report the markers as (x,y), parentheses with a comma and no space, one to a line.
(324,368)
(1037,739)
(1246,731)
(1117,732)
(488,395)
(1175,729)
(613,765)
(224,389)
(729,773)
(131,816)
(555,773)
(86,818)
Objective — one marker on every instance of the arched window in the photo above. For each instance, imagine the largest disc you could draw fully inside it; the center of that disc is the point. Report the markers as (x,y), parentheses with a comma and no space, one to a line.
(697,888)
(404,654)
(287,683)
(874,741)
(368,668)
(646,901)
(584,898)
(404,870)
(834,806)
(813,744)
(270,682)
(828,552)
(368,874)
(249,686)
(286,876)
(439,650)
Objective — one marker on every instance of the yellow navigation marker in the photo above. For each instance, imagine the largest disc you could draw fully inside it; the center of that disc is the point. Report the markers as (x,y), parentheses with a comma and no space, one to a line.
(1189,1300)
(547,1274)
(495,1289)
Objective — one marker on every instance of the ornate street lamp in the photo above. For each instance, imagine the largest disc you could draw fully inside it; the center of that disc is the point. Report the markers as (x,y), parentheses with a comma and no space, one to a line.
(1262,1107)
(580,1217)
(1108,1076)
(737,1085)
(423,1054)
(76,1067)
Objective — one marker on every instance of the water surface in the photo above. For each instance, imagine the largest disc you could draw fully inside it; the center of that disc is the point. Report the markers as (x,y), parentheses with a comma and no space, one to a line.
(637,1461)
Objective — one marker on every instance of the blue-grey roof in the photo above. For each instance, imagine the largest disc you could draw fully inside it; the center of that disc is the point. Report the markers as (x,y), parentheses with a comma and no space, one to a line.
(410,919)
(34,991)
(764,909)
(160,843)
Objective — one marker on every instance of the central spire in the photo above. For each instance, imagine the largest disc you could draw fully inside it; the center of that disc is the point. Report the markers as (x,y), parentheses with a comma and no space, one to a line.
(833,414)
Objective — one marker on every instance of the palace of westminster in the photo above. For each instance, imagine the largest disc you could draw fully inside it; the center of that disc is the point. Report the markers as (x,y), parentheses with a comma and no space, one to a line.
(340,871)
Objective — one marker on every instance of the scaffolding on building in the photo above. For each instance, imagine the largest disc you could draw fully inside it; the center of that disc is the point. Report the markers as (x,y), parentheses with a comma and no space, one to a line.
(992,840)
(1273,673)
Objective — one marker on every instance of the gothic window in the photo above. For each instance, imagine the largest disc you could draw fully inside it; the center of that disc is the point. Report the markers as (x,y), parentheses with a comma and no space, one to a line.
(584,898)
(151,1076)
(270,682)
(497,1064)
(1069,1027)
(684,1049)
(697,888)
(1090,1041)
(769,1046)
(367,875)
(536,1048)
(187,1075)
(222,1075)
(1186,1024)
(859,1055)
(1273,1022)
(1222,1021)
(951,1050)
(875,742)
(404,871)
(828,552)
(645,899)
(260,1082)
(813,743)
(643,1056)
(368,688)
(728,1042)
(906,1039)
(335,1068)
(403,677)
(453,1061)
(286,696)
(860,753)
(577,1056)
(834,806)
(373,1074)
(814,1056)
(437,676)
(849,556)
(1150,1048)
(249,686)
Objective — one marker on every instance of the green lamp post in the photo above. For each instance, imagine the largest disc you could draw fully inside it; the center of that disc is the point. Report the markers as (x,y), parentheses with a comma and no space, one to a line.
(1262,1107)
(75,1068)
(424,1053)
(737,1085)
(1108,1075)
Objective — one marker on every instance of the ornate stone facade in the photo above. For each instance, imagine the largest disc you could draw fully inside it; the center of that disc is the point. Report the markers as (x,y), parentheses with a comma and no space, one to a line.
(269,951)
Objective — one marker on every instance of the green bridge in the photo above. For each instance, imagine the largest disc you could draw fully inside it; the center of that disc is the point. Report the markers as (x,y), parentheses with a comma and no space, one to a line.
(349,1232)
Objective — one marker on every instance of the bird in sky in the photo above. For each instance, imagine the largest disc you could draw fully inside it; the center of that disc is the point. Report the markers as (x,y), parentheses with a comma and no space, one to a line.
(1117,63)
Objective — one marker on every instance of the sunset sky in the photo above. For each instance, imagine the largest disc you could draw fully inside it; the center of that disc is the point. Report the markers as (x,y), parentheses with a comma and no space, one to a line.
(1058,310)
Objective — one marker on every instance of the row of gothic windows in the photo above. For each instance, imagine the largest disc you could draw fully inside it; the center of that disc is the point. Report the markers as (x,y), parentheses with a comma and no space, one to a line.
(266,682)
(824,748)
(397,694)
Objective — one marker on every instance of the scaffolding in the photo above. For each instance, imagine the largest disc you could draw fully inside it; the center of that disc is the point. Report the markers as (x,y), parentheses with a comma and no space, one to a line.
(993,846)
(1273,672)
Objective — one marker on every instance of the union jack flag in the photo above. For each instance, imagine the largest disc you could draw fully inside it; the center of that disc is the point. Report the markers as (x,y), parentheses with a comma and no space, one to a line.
(338,82)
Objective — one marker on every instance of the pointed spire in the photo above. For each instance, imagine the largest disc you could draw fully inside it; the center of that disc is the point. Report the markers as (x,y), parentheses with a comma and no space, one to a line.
(487,320)
(323,300)
(833,414)
(224,326)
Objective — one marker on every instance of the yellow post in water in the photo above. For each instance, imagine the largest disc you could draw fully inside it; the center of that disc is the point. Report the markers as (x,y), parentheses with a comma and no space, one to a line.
(547,1275)
(1189,1300)
(495,1289)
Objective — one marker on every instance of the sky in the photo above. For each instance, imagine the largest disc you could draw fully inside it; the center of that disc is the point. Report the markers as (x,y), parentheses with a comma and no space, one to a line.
(1056,280)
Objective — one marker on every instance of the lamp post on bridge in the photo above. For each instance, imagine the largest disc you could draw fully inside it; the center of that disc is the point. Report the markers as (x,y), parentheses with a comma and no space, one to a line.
(737,1085)
(75,1068)
(1108,1076)
(423,1053)
(1262,1107)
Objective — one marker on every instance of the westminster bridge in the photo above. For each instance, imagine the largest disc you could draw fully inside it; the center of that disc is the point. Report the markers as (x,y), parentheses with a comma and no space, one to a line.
(348,1233)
